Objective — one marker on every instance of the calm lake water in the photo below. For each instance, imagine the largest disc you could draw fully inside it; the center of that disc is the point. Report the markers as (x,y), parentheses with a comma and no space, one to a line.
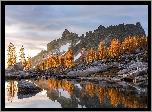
(66,94)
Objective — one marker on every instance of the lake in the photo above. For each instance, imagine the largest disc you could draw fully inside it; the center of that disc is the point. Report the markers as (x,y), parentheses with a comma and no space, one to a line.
(71,94)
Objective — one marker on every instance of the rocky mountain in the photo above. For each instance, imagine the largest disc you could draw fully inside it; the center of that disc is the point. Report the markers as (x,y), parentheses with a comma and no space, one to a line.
(91,39)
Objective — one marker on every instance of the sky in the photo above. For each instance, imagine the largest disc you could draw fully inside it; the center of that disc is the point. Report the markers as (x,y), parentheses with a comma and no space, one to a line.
(33,26)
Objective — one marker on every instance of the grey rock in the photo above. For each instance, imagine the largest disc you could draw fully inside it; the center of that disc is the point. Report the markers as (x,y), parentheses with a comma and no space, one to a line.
(25,85)
(14,68)
(137,50)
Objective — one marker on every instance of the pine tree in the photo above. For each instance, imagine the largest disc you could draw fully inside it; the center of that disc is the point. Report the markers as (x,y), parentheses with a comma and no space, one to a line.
(57,61)
(138,41)
(113,97)
(100,94)
(48,61)
(83,55)
(114,48)
(69,59)
(29,63)
(108,53)
(38,67)
(62,60)
(91,55)
(146,43)
(131,45)
(143,43)
(22,56)
(14,55)
(11,55)
(101,51)
(11,90)
(43,63)
(135,43)
(53,61)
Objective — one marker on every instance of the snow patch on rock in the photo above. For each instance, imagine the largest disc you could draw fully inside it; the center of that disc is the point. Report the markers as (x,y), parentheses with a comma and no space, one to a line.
(65,47)
(76,57)
(78,85)
(78,42)
(134,67)
(89,70)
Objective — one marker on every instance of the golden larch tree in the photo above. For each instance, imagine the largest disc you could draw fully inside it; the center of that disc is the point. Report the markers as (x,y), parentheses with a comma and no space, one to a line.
(101,51)
(100,93)
(43,63)
(114,48)
(11,90)
(146,42)
(91,55)
(48,60)
(84,54)
(130,44)
(143,43)
(29,63)
(114,97)
(22,56)
(11,60)
(69,59)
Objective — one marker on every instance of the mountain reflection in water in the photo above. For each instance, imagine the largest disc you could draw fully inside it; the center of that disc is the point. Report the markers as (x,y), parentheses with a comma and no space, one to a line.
(65,94)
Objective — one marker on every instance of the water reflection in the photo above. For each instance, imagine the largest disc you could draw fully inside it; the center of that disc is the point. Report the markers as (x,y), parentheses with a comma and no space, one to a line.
(89,95)
(86,95)
(11,89)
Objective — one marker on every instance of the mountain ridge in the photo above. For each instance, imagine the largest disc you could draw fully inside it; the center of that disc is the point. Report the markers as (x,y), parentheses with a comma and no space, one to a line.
(91,39)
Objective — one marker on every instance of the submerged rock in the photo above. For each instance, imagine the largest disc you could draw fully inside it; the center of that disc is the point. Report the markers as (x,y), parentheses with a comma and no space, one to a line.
(27,86)
(27,89)
(26,94)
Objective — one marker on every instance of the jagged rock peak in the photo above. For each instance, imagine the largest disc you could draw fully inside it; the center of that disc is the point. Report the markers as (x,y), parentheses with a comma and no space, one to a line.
(66,31)
(101,26)
(138,24)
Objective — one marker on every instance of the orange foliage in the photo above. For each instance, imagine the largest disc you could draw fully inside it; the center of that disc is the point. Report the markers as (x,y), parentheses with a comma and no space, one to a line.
(114,97)
(114,48)
(101,51)
(92,89)
(84,54)
(91,55)
(101,94)
(69,59)
(28,63)
(11,55)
